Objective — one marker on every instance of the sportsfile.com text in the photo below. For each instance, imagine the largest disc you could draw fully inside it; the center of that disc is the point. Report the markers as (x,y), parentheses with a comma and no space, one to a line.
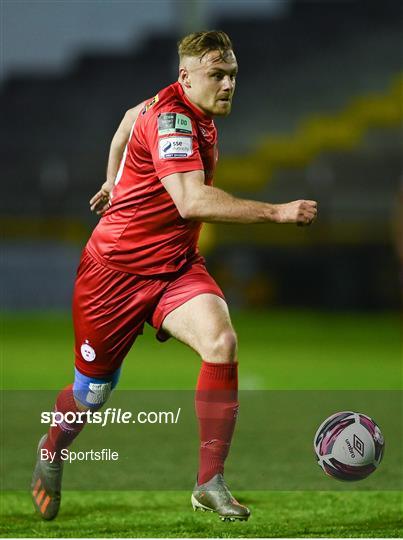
(110,416)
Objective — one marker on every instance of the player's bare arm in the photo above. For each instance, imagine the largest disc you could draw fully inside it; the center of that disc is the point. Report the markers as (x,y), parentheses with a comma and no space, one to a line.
(197,201)
(99,203)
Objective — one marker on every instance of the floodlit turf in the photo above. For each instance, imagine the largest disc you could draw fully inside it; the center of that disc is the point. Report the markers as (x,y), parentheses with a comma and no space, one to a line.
(279,350)
(169,514)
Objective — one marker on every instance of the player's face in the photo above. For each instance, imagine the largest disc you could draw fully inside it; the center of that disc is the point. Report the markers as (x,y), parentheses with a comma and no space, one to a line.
(210,82)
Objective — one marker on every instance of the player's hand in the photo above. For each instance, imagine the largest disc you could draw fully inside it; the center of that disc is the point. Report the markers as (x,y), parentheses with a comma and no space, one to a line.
(299,212)
(101,201)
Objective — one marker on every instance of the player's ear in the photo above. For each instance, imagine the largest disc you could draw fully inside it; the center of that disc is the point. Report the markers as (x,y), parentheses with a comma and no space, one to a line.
(184,77)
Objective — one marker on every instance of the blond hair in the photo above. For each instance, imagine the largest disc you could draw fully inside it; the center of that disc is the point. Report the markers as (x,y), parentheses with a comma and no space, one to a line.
(200,43)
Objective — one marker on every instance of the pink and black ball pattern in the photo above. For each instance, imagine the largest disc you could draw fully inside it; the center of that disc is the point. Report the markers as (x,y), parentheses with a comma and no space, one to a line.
(379,442)
(327,435)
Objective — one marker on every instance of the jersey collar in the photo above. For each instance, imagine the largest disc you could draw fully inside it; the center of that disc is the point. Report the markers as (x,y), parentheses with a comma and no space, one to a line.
(198,112)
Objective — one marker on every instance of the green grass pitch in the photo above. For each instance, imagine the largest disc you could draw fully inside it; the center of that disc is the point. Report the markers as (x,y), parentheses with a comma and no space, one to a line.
(279,350)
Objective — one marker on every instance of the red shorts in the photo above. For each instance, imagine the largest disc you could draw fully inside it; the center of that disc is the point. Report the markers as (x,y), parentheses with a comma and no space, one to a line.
(110,308)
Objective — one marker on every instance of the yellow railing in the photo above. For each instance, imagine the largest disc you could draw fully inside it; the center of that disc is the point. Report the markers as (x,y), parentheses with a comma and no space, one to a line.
(342,131)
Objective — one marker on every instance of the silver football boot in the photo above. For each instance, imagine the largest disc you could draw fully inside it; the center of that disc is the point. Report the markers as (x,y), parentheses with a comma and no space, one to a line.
(214,496)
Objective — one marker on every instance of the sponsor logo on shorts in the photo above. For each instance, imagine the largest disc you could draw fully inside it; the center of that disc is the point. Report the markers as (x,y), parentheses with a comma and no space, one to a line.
(175,147)
(87,352)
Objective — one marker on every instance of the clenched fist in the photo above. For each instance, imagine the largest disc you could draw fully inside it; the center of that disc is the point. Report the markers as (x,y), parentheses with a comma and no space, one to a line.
(299,212)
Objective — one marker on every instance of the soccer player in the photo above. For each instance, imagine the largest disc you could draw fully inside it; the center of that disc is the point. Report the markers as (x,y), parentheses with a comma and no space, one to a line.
(142,264)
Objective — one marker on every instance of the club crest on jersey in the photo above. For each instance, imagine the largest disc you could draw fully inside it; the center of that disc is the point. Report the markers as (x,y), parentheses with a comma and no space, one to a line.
(150,104)
(175,147)
(172,123)
(87,352)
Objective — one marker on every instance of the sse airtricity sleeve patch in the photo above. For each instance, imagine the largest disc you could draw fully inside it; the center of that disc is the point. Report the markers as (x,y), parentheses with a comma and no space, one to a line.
(175,147)
(173,123)
(172,138)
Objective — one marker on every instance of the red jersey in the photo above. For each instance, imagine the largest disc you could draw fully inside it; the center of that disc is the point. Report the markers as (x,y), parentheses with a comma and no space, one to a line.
(143,232)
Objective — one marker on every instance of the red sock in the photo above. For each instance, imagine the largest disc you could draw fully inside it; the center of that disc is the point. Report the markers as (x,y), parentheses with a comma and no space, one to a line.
(63,434)
(216,404)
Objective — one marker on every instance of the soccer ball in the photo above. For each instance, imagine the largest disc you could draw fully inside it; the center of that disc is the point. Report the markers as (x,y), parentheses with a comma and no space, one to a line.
(349,446)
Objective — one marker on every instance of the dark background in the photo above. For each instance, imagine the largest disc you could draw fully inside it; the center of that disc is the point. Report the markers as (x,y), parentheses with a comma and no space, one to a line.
(317,114)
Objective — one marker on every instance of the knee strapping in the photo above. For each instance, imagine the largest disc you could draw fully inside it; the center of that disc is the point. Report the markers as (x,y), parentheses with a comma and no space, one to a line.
(91,392)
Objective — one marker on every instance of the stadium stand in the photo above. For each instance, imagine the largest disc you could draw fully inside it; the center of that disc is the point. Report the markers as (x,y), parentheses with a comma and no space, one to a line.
(317,113)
